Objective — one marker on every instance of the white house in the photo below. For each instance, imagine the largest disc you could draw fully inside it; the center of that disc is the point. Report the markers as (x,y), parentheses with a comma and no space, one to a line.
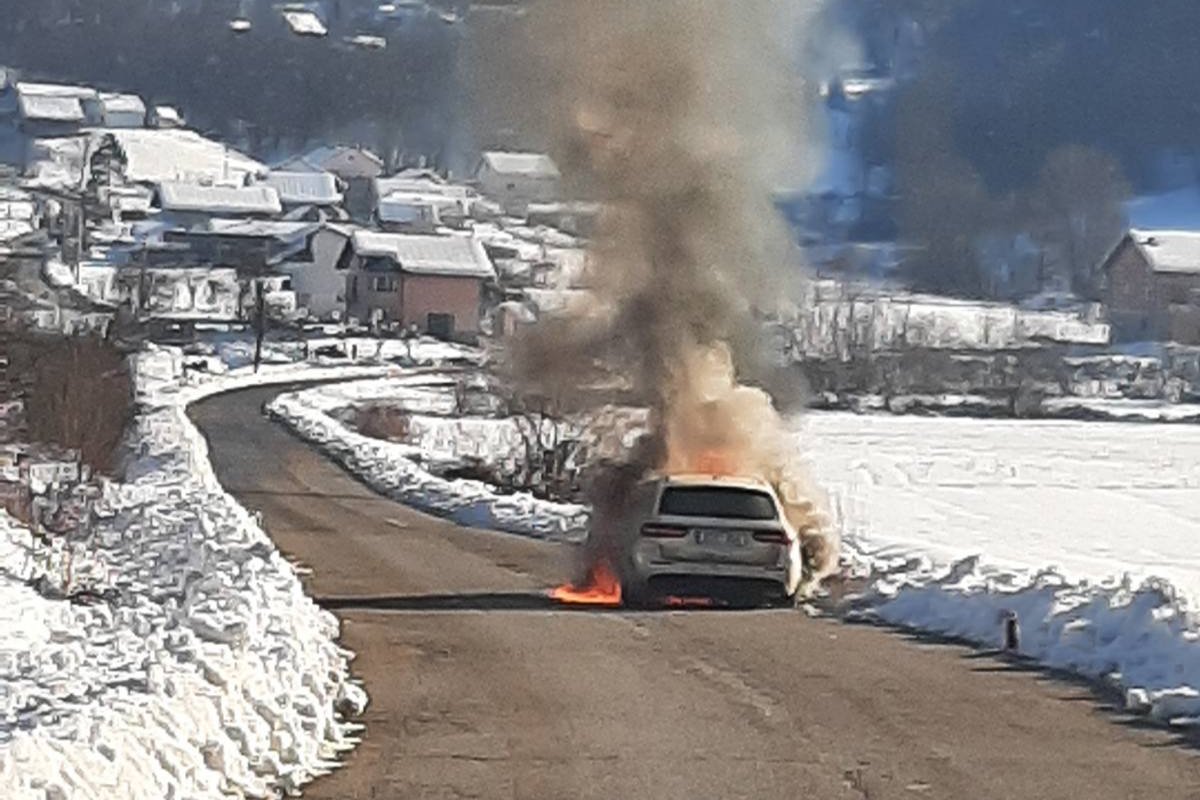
(109,110)
(29,111)
(319,284)
(165,117)
(392,197)
(408,213)
(517,179)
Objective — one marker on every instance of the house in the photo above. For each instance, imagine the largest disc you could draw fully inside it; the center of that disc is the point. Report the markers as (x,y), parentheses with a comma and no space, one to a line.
(188,204)
(303,22)
(433,283)
(408,213)
(517,179)
(316,274)
(1152,286)
(254,247)
(347,163)
(109,110)
(393,199)
(31,111)
(165,117)
(355,167)
(300,191)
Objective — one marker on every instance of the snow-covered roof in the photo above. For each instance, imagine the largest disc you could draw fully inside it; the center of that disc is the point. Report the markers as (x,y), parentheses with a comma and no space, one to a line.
(318,158)
(1169,251)
(25,88)
(314,188)
(262,228)
(304,22)
(54,108)
(452,255)
(122,103)
(155,155)
(168,115)
(534,165)
(408,207)
(420,184)
(174,196)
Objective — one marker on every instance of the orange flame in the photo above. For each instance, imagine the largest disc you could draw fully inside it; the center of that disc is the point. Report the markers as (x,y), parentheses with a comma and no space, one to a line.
(601,588)
(714,462)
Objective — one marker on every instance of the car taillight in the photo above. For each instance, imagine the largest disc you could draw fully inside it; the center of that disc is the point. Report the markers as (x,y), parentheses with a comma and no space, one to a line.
(663,531)
(771,537)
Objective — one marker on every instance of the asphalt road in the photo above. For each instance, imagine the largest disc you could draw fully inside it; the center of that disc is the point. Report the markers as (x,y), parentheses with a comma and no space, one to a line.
(480,689)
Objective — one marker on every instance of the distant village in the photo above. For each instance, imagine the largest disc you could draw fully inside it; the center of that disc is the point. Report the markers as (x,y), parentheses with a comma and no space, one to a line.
(120,223)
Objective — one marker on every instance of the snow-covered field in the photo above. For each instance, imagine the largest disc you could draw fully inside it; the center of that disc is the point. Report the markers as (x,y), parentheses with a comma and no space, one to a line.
(209,673)
(1085,531)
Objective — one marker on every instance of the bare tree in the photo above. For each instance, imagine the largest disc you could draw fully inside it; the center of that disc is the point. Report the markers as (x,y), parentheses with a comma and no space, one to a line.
(1079,199)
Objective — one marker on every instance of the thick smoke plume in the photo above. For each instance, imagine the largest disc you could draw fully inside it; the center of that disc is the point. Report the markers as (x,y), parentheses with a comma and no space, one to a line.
(681,116)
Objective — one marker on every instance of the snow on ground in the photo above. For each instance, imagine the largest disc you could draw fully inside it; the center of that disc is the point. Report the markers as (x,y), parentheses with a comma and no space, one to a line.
(396,469)
(234,351)
(1085,531)
(210,673)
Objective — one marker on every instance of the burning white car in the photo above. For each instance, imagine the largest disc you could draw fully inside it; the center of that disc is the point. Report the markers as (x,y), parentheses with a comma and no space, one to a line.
(713,536)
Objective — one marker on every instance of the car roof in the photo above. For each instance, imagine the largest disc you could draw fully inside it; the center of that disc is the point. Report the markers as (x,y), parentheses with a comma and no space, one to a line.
(724,481)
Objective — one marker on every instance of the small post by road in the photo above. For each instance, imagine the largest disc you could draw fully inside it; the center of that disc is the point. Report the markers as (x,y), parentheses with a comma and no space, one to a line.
(260,322)
(1011,632)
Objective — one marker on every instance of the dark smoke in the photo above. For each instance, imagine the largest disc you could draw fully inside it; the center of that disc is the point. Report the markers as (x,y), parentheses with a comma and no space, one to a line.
(681,116)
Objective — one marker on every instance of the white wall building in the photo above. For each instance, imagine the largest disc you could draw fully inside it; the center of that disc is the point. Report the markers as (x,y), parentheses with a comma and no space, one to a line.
(517,179)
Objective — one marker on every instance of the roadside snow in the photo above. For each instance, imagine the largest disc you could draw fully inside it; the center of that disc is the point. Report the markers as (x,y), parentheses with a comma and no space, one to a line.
(1085,531)
(211,674)
(396,469)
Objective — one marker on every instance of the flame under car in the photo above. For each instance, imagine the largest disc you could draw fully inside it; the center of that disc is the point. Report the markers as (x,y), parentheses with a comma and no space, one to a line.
(709,536)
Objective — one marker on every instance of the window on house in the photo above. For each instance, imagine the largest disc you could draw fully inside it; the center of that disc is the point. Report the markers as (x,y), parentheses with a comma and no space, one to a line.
(383,283)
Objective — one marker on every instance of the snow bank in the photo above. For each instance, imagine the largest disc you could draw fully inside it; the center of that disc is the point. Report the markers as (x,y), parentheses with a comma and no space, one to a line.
(1086,532)
(396,470)
(209,674)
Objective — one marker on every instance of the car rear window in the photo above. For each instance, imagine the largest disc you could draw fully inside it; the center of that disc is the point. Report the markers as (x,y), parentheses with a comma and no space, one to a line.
(708,501)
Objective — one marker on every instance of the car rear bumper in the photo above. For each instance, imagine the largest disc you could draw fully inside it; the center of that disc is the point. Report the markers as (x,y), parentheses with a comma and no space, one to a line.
(648,563)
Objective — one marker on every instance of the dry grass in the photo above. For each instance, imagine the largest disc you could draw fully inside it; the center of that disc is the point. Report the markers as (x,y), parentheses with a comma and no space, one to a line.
(78,393)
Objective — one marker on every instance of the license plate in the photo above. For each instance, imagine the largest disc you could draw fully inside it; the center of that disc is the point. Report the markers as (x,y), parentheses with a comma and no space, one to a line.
(719,538)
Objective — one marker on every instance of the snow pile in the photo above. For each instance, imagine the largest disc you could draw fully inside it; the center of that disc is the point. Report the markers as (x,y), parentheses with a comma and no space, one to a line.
(396,470)
(1140,638)
(204,670)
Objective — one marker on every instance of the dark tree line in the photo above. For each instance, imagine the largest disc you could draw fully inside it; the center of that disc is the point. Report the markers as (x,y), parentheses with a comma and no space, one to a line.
(1032,117)
(265,87)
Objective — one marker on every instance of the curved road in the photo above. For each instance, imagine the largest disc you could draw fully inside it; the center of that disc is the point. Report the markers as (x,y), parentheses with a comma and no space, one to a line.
(480,689)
